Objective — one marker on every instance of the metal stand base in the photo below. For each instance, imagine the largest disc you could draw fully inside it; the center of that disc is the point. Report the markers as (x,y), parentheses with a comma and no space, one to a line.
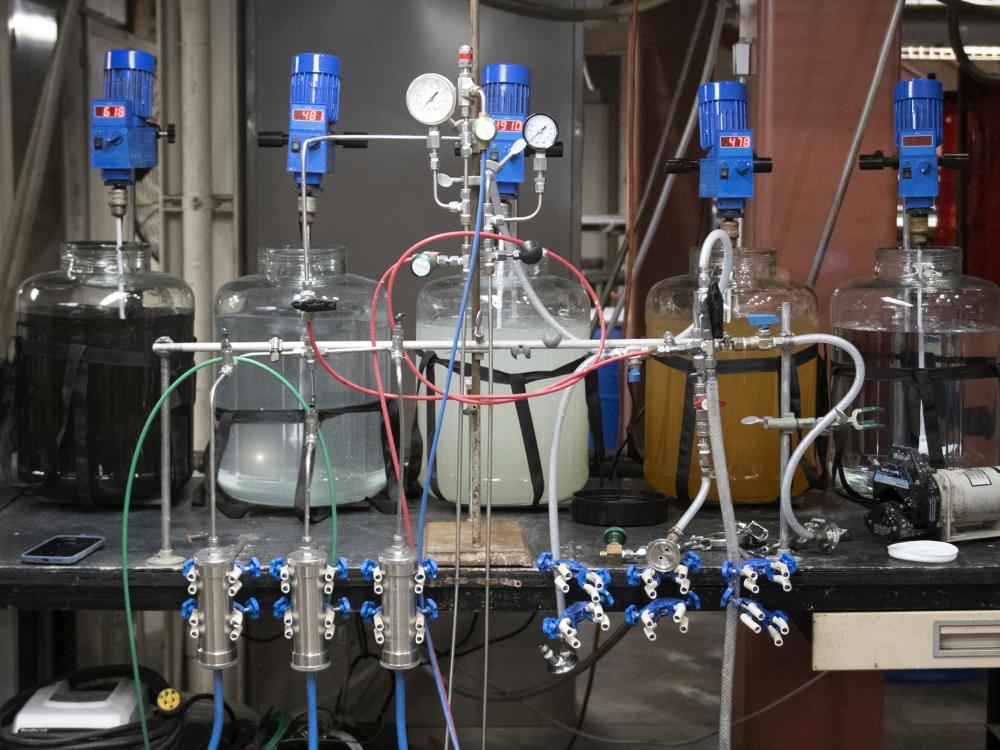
(165,558)
(507,547)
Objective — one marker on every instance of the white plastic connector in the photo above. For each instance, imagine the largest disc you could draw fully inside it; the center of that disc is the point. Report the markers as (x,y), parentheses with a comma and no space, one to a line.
(562,584)
(234,574)
(595,579)
(194,633)
(749,573)
(754,610)
(684,585)
(566,628)
(283,573)
(781,624)
(679,611)
(288,619)
(648,577)
(775,635)
(329,574)
(195,619)
(750,622)
(378,623)
(192,575)
(650,632)
(594,593)
(328,588)
(682,625)
(286,587)
(193,588)
(420,624)
(597,614)
(785,581)
(235,588)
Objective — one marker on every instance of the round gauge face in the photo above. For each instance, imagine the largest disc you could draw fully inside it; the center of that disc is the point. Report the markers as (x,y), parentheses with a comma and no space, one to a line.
(484,128)
(420,265)
(431,99)
(540,131)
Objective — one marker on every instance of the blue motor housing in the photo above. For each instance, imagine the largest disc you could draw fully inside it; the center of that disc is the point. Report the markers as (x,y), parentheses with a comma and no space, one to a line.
(918,118)
(726,173)
(313,108)
(122,138)
(508,90)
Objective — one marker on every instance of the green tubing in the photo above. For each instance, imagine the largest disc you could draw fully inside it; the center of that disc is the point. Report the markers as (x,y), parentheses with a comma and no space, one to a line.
(133,652)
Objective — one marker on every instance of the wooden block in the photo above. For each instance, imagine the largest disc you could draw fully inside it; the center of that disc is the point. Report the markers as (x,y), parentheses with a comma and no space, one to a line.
(507,547)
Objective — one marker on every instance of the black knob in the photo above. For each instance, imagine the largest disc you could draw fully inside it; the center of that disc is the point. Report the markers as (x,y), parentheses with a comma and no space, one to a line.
(353,143)
(531,252)
(878,160)
(555,150)
(954,161)
(272,139)
(763,164)
(680,166)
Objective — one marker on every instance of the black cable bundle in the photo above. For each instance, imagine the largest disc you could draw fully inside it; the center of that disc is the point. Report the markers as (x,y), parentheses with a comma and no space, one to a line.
(165,729)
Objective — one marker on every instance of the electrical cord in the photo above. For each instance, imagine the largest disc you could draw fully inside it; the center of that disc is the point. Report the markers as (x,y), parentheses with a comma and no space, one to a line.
(546,715)
(548,12)
(165,729)
(493,641)
(127,502)
(955,40)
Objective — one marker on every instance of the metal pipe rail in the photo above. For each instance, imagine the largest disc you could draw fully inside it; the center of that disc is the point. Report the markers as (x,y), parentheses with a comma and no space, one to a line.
(332,347)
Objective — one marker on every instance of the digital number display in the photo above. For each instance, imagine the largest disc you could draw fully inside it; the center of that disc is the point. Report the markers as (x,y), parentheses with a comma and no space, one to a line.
(509,126)
(307,115)
(918,140)
(734,141)
(109,110)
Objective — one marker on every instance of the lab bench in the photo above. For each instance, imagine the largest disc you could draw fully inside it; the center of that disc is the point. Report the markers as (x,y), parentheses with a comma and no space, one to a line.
(858,577)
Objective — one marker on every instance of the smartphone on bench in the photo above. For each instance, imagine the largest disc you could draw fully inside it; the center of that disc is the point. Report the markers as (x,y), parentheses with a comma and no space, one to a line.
(63,549)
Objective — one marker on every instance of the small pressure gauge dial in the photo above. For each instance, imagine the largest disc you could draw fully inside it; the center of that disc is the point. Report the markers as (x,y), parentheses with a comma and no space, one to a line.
(431,99)
(540,131)
(484,128)
(421,265)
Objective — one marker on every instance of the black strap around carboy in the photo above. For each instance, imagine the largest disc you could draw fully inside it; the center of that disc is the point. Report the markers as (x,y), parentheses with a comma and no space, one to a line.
(731,367)
(924,388)
(232,507)
(75,384)
(518,383)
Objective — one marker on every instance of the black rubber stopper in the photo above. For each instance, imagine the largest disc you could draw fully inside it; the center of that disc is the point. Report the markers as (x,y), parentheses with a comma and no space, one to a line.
(715,310)
(531,252)
(619,507)
(315,305)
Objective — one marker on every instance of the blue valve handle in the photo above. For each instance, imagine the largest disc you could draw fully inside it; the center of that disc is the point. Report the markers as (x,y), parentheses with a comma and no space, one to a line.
(660,607)
(430,568)
(579,571)
(693,562)
(188,566)
(369,610)
(341,568)
(251,566)
(430,609)
(368,569)
(343,607)
(275,567)
(189,606)
(281,606)
(575,613)
(251,609)
(761,320)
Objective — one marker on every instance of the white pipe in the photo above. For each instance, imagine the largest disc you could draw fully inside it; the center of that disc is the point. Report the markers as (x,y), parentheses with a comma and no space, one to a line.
(705,257)
(695,506)
(551,479)
(820,427)
(196,162)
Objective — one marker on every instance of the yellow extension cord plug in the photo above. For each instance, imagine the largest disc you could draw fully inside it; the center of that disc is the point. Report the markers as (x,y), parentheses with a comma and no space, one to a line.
(168,700)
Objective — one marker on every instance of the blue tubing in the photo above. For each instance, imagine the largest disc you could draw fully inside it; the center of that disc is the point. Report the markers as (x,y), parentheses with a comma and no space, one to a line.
(311,711)
(220,713)
(401,742)
(432,454)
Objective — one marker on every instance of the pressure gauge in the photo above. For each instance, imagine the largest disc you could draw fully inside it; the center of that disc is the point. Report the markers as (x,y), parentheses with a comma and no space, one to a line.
(540,131)
(484,128)
(422,264)
(431,99)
